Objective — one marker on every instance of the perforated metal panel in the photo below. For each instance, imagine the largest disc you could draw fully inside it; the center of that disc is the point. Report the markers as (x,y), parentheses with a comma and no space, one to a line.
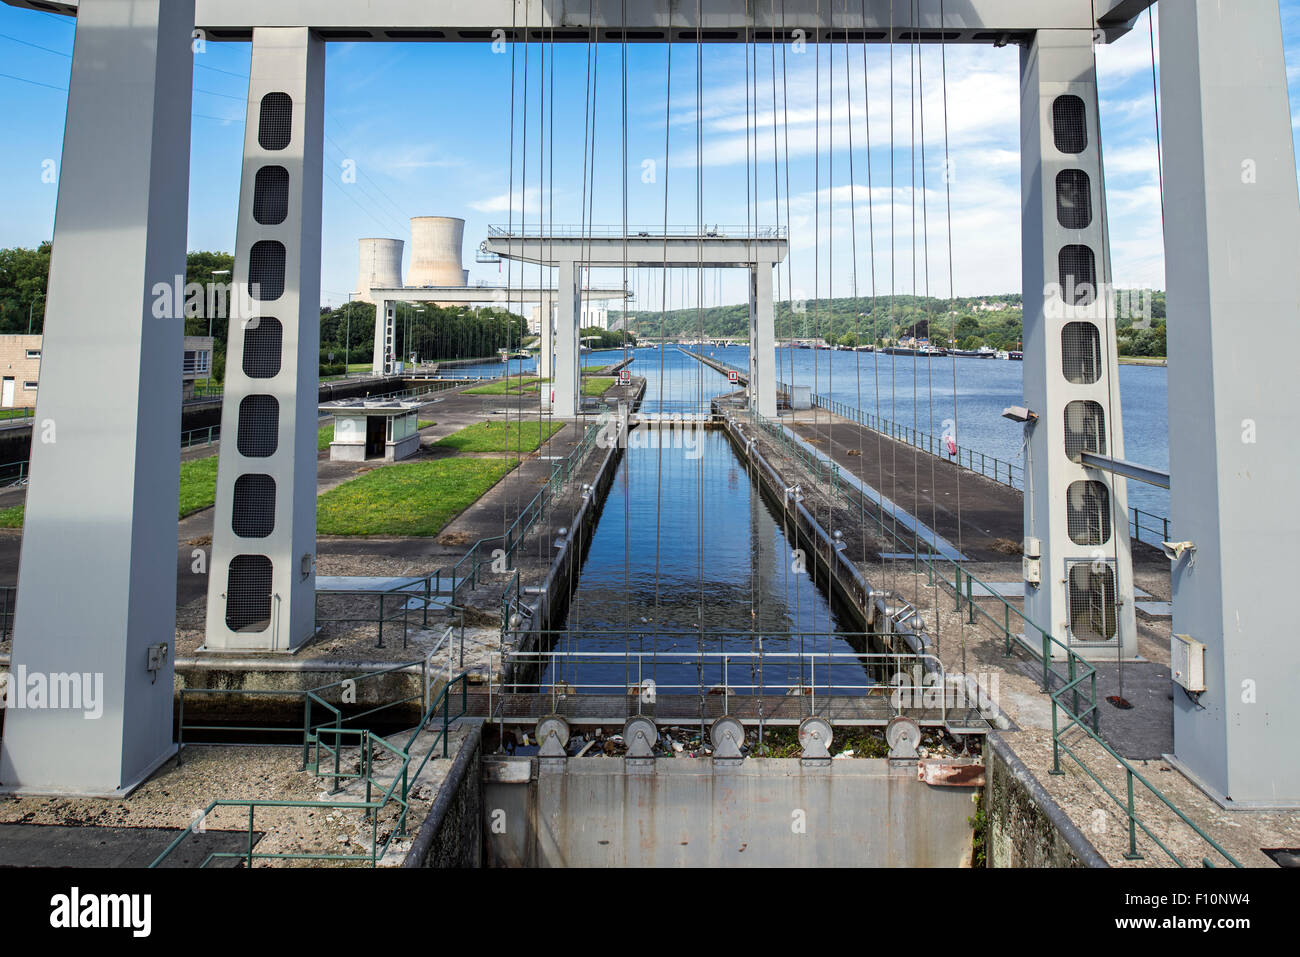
(1092,601)
(271,195)
(266,270)
(253,512)
(1087,504)
(1070,124)
(263,347)
(275,121)
(1081,352)
(259,426)
(1073,199)
(1085,428)
(248,593)
(1078,274)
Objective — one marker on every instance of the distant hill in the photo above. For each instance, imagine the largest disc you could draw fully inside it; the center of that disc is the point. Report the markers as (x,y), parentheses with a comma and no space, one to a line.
(972,321)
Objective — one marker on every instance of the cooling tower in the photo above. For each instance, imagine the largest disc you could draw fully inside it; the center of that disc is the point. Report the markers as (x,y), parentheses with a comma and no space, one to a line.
(381,266)
(436,243)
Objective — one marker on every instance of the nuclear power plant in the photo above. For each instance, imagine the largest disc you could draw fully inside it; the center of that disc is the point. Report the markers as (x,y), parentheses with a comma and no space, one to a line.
(381,266)
(436,243)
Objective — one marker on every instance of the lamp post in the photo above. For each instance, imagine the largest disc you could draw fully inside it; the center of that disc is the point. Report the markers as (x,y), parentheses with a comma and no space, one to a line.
(347,343)
(40,296)
(207,390)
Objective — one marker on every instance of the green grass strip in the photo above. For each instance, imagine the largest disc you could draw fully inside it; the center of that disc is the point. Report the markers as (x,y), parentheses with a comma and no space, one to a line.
(511,436)
(198,484)
(507,386)
(416,500)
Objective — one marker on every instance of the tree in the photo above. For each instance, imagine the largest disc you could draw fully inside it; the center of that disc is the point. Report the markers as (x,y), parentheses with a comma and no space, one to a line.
(23,277)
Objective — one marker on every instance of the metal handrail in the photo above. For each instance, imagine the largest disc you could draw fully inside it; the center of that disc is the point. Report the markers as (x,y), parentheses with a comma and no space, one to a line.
(371,806)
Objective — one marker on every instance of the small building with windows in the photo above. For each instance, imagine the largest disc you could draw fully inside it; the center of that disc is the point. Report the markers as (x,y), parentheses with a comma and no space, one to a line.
(196,363)
(380,429)
(20,368)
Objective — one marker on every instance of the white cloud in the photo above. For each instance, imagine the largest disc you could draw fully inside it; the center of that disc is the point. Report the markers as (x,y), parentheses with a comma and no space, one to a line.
(528,200)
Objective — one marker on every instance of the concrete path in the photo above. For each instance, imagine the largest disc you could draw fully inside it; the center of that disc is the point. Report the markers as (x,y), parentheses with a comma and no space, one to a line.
(975,513)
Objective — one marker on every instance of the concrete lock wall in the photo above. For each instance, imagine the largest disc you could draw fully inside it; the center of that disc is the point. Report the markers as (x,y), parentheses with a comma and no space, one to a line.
(1026,828)
(595,812)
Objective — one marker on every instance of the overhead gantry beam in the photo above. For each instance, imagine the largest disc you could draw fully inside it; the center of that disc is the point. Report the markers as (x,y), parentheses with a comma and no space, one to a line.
(639,250)
(653,21)
(570,249)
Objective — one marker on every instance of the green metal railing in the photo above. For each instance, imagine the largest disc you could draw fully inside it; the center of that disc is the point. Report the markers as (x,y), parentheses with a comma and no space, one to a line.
(336,723)
(14,473)
(469,569)
(1064,672)
(307,696)
(1128,803)
(204,436)
(391,797)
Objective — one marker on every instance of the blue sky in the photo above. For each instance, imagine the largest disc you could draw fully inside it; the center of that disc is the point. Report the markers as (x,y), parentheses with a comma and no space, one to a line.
(429,128)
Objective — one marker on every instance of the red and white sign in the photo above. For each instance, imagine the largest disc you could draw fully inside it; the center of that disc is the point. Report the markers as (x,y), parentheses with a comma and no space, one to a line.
(625,377)
(733,376)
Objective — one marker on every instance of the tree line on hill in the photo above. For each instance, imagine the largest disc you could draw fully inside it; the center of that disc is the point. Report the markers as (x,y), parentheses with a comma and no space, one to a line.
(963,323)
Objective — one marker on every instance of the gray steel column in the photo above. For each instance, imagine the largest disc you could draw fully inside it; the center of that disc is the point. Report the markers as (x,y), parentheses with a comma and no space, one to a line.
(564,386)
(762,341)
(1232,237)
(385,316)
(546,358)
(97,579)
(1079,516)
(262,586)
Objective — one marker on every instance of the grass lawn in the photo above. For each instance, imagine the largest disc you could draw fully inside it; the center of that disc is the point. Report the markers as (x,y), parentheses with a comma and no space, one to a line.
(512,436)
(425,423)
(414,500)
(198,484)
(598,385)
(512,386)
(198,491)
(15,413)
(588,370)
